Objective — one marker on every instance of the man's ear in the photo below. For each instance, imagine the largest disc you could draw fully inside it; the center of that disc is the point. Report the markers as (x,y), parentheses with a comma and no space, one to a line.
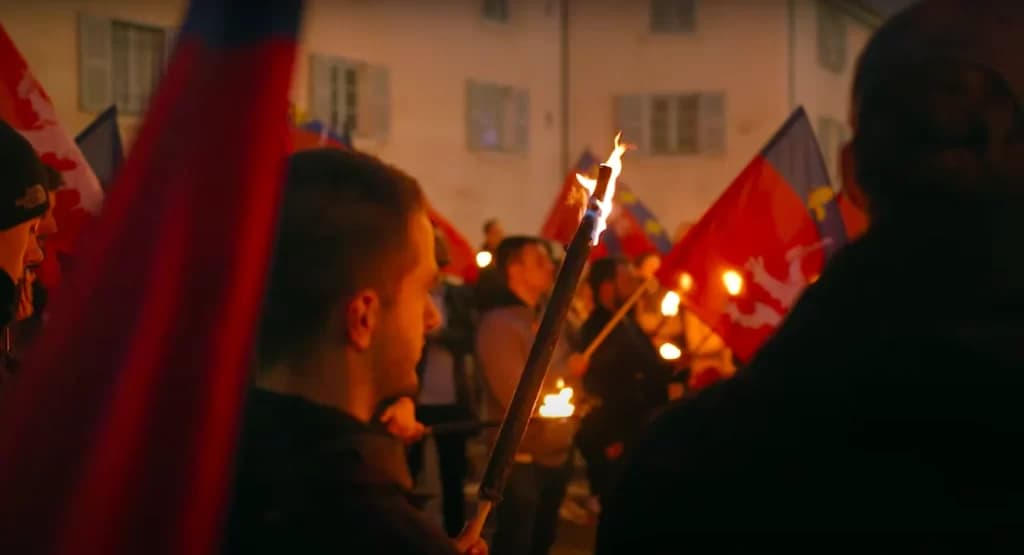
(361,317)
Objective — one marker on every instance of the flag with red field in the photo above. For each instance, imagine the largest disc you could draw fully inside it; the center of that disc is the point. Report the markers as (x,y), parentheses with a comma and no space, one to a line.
(120,432)
(462,257)
(748,259)
(632,228)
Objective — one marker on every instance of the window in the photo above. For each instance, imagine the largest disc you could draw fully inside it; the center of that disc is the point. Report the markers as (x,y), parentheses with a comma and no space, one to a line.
(673,124)
(346,94)
(497,117)
(496,10)
(832,135)
(673,16)
(120,63)
(831,37)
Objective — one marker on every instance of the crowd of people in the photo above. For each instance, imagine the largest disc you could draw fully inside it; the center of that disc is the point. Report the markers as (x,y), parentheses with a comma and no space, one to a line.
(887,401)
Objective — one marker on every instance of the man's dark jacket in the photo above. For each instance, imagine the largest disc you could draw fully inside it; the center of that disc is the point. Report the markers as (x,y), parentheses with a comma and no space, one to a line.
(890,399)
(312,479)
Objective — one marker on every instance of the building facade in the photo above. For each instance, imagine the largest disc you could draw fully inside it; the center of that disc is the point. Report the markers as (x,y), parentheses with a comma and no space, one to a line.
(488,102)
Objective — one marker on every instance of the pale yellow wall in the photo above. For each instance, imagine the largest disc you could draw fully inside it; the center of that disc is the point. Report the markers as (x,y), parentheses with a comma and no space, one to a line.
(739,47)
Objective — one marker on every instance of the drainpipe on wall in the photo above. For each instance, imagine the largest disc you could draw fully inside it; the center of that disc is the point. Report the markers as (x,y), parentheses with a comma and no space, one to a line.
(565,84)
(791,28)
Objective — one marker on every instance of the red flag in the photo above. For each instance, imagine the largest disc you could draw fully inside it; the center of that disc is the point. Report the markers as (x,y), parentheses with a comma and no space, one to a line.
(855,219)
(25,105)
(119,434)
(564,216)
(766,237)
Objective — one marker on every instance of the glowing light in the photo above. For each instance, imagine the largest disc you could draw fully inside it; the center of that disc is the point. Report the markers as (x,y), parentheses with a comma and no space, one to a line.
(686,282)
(668,351)
(614,162)
(558,405)
(484,259)
(670,304)
(733,282)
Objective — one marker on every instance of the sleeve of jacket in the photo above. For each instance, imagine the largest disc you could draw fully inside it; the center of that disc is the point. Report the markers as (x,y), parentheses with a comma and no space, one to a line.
(502,347)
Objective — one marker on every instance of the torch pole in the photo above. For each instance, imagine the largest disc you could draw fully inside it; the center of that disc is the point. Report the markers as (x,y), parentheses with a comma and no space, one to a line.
(517,416)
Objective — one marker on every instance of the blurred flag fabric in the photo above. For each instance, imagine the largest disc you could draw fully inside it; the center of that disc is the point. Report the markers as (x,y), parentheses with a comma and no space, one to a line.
(100,143)
(632,228)
(854,218)
(462,256)
(25,105)
(767,236)
(120,432)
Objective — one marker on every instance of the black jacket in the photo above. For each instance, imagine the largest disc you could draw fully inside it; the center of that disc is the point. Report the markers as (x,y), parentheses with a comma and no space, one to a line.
(626,375)
(311,479)
(888,400)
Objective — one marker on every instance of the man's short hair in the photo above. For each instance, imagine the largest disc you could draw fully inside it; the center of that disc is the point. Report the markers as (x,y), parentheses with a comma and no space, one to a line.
(604,270)
(510,249)
(54,179)
(344,226)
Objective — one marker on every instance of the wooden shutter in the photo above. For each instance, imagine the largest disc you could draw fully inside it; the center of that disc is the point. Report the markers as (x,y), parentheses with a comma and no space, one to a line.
(711,123)
(521,121)
(374,102)
(321,88)
(95,79)
(631,117)
(170,41)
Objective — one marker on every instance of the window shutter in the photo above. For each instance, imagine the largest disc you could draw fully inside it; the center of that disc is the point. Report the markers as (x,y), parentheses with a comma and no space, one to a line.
(95,80)
(631,119)
(374,102)
(521,136)
(474,107)
(321,89)
(711,122)
(170,41)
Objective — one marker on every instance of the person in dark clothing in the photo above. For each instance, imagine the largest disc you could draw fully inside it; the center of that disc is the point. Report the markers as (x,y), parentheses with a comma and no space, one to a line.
(888,401)
(625,381)
(446,394)
(343,326)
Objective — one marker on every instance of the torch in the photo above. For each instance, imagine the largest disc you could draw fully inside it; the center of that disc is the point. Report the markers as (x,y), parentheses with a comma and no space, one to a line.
(524,400)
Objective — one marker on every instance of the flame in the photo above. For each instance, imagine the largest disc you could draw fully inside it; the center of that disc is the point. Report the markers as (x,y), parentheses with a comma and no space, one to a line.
(483,259)
(669,351)
(558,405)
(670,304)
(614,161)
(733,282)
(686,282)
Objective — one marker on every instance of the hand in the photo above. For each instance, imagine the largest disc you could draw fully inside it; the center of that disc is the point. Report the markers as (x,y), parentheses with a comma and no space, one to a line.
(578,364)
(14,245)
(400,419)
(614,450)
(470,545)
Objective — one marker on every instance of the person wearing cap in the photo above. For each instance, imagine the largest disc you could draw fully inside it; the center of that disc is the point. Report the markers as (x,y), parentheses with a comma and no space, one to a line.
(23,202)
(889,399)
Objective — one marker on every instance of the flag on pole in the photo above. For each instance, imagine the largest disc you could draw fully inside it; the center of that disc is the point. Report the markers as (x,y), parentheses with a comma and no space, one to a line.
(743,265)
(632,228)
(855,219)
(119,434)
(100,143)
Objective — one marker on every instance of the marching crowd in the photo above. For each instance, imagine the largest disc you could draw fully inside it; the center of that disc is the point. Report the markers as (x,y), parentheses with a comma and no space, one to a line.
(887,401)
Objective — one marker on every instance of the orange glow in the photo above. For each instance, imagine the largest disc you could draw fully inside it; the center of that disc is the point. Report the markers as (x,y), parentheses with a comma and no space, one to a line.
(670,304)
(558,405)
(686,282)
(605,204)
(669,351)
(483,259)
(733,282)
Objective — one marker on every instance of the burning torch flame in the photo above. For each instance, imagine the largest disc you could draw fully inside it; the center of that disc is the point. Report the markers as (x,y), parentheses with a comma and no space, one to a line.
(558,405)
(483,259)
(686,282)
(670,304)
(605,204)
(668,351)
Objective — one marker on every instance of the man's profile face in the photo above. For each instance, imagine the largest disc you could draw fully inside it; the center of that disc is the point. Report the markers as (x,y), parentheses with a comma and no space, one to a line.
(537,268)
(407,316)
(626,283)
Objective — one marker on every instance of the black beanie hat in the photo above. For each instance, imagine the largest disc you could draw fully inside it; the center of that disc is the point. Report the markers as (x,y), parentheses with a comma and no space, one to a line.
(22,178)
